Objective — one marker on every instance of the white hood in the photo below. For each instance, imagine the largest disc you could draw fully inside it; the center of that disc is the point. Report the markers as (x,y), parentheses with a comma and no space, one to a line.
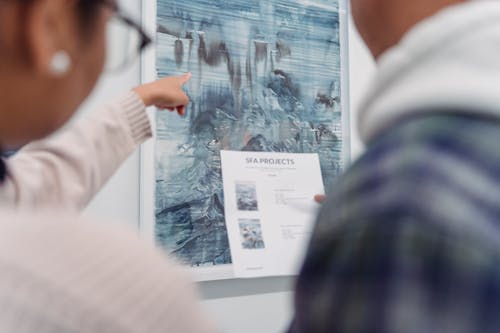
(449,61)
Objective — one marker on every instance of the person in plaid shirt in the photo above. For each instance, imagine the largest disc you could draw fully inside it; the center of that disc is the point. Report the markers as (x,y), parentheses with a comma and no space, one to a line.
(409,238)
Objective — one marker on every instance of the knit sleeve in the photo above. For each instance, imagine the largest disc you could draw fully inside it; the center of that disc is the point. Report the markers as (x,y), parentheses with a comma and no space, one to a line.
(68,169)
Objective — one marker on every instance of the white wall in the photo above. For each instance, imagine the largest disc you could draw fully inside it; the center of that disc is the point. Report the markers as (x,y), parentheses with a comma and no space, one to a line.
(243,306)
(361,69)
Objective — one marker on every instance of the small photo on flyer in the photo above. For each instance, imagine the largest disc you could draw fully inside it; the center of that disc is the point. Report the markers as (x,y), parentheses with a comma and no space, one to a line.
(246,196)
(251,234)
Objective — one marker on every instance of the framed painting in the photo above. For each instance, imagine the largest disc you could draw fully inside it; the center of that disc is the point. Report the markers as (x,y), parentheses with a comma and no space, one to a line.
(268,75)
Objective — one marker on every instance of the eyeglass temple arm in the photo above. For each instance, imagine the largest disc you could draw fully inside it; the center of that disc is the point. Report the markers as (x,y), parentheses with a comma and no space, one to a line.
(145,39)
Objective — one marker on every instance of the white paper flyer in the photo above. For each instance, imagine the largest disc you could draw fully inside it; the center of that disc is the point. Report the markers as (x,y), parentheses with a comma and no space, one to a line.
(270,209)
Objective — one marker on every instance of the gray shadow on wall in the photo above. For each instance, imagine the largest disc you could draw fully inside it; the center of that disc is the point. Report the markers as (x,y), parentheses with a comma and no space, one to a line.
(245,287)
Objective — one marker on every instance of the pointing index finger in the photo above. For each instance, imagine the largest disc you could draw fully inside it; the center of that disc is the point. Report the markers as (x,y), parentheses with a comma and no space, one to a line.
(185,78)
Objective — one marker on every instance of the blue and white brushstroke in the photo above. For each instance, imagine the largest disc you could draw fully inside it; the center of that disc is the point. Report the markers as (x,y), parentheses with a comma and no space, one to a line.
(266,77)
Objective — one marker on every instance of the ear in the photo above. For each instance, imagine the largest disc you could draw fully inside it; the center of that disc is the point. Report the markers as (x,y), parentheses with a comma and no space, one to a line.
(46,33)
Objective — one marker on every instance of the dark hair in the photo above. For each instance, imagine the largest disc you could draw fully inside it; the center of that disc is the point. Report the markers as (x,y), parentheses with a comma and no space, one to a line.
(87,10)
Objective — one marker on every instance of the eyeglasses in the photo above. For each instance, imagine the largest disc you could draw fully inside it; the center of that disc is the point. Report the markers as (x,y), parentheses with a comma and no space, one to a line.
(125,39)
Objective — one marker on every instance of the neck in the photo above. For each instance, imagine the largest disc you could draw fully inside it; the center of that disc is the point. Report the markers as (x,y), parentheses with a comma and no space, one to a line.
(395,18)
(22,107)
(419,76)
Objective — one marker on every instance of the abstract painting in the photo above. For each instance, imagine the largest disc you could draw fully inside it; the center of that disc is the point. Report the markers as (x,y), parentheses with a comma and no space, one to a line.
(266,77)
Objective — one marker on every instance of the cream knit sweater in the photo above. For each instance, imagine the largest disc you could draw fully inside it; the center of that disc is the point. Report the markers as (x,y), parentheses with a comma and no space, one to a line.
(68,169)
(62,274)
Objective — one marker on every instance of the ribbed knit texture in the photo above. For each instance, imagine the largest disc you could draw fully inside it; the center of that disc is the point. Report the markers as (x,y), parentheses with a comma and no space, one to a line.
(60,276)
(68,169)
(138,120)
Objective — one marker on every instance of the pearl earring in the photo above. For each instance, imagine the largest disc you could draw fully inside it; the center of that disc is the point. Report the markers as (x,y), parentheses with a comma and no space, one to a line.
(60,63)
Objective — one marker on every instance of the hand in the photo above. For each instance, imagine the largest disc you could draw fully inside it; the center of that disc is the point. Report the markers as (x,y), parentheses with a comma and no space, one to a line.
(319,198)
(166,93)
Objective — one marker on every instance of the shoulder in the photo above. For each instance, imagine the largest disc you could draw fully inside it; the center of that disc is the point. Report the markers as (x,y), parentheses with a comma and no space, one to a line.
(93,273)
(59,244)
(415,218)
(420,161)
(441,172)
(51,239)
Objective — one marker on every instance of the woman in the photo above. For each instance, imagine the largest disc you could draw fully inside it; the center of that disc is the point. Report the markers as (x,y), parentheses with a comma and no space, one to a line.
(56,275)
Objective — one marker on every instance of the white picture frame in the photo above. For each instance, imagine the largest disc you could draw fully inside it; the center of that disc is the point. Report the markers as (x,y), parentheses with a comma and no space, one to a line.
(147,152)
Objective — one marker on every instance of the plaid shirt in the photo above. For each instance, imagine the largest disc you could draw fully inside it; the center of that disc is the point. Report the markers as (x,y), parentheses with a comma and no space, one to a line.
(409,240)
